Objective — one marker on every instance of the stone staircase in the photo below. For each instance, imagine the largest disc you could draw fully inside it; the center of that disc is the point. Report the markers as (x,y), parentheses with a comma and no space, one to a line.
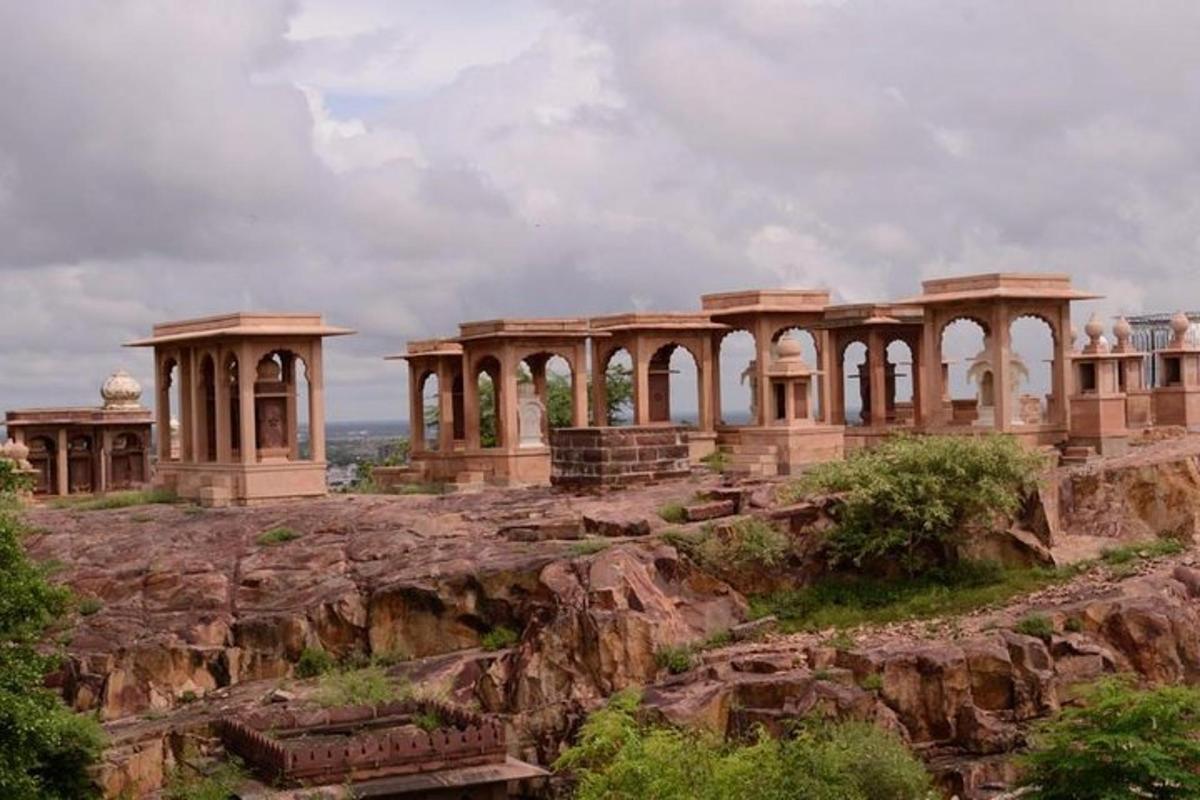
(751,460)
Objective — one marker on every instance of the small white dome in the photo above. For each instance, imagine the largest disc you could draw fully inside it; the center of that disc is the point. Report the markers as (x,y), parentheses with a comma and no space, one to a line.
(121,391)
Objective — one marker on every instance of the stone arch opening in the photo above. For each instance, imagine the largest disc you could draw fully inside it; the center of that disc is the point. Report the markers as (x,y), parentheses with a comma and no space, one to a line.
(737,382)
(282,399)
(671,361)
(548,379)
(208,409)
(429,388)
(127,460)
(901,376)
(487,376)
(811,350)
(618,381)
(856,383)
(1033,349)
(968,380)
(81,478)
(43,457)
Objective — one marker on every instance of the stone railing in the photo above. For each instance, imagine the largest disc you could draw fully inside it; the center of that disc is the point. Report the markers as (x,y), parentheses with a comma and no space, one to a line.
(293,746)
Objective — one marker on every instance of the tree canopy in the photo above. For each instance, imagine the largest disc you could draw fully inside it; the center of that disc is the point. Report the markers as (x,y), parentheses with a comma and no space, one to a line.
(44,748)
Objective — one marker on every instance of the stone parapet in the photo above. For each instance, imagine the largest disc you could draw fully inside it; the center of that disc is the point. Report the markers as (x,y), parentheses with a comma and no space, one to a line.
(361,742)
(617,456)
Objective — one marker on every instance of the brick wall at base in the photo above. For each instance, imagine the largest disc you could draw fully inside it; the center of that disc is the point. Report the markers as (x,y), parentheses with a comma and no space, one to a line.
(617,456)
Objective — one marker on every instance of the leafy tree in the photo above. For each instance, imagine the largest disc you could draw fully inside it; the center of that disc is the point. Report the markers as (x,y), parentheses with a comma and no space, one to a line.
(619,391)
(1121,743)
(619,757)
(44,748)
(914,498)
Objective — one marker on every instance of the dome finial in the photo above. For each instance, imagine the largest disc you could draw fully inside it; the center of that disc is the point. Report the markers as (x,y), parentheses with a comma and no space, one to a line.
(121,391)
(1180,325)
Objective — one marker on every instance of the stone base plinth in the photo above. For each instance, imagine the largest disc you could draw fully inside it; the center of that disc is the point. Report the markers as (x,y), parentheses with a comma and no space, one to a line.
(798,446)
(618,456)
(1177,405)
(524,466)
(242,484)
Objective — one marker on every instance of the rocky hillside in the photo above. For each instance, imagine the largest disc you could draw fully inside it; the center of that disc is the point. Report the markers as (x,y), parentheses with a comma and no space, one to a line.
(197,611)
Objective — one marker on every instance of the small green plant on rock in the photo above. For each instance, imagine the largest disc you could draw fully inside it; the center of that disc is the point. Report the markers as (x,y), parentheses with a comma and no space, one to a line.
(674,513)
(872,682)
(277,536)
(675,659)
(367,686)
(1121,742)
(314,661)
(1038,625)
(499,638)
(90,605)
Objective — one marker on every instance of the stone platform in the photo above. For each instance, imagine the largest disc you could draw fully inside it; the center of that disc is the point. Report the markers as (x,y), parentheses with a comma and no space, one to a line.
(618,456)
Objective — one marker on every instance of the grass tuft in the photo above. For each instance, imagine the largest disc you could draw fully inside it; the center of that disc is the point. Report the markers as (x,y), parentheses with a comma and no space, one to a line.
(499,638)
(673,513)
(277,536)
(367,686)
(105,502)
(1038,625)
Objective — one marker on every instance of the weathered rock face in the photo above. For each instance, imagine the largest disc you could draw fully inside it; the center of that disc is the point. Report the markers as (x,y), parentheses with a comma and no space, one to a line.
(954,701)
(191,601)
(610,616)
(1150,492)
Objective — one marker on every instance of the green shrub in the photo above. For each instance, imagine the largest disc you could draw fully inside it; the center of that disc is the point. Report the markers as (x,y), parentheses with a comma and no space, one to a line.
(314,661)
(277,536)
(220,782)
(673,512)
(1073,625)
(675,659)
(1120,743)
(616,756)
(747,544)
(499,638)
(367,686)
(912,499)
(717,461)
(872,682)
(429,721)
(1038,625)
(90,605)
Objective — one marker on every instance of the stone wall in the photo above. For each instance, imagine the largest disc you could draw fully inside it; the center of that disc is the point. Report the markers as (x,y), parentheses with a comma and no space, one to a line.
(617,456)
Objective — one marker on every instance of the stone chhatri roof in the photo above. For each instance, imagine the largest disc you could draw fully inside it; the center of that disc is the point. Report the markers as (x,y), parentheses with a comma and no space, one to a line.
(655,320)
(238,324)
(515,328)
(427,348)
(765,300)
(999,286)
(855,314)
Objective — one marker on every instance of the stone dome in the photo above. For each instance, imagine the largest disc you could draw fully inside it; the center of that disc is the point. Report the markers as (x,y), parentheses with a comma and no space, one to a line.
(121,390)
(788,347)
(1094,328)
(1122,329)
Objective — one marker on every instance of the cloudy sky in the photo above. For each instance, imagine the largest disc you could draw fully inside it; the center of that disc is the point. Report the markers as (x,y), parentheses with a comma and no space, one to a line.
(402,166)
